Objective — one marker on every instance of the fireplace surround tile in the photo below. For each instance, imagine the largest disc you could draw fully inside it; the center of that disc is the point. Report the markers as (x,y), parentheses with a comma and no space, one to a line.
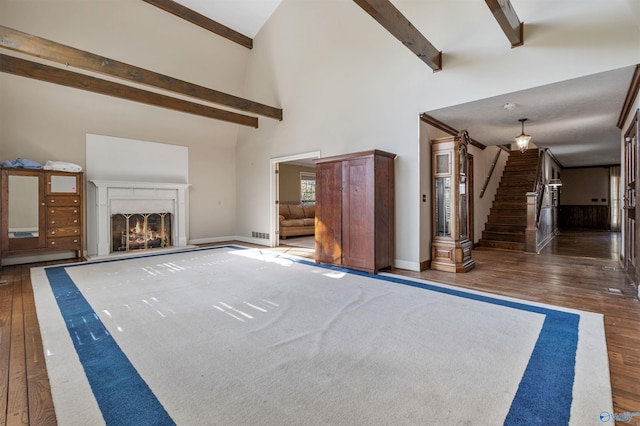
(105,198)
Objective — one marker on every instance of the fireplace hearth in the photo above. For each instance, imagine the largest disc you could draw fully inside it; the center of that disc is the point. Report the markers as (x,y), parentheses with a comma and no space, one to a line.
(128,217)
(140,231)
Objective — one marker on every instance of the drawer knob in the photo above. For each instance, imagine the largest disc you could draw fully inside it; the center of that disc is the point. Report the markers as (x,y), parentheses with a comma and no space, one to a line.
(53,232)
(53,210)
(75,241)
(75,211)
(53,243)
(75,221)
(53,201)
(75,201)
(53,221)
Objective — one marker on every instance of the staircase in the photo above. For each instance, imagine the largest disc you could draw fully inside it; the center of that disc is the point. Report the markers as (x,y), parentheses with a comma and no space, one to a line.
(507,222)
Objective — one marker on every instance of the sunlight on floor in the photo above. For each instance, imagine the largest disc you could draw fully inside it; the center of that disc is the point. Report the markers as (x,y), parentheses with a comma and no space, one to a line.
(265,257)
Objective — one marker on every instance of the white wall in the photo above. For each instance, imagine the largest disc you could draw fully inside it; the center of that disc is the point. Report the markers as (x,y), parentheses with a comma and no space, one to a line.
(120,159)
(289,181)
(635,8)
(346,84)
(482,160)
(321,88)
(42,121)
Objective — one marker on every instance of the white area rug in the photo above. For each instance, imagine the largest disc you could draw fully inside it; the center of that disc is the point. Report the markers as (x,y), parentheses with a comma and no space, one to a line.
(236,336)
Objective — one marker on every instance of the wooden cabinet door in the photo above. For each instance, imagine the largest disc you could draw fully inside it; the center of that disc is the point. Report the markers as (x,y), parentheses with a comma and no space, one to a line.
(358,213)
(23,219)
(384,212)
(328,233)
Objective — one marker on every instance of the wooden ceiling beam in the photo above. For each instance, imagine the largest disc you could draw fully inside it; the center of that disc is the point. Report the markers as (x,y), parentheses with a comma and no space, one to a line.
(202,21)
(448,129)
(393,21)
(37,71)
(506,16)
(69,56)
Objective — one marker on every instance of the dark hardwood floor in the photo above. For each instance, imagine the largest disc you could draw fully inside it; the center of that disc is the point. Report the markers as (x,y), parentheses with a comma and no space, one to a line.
(575,271)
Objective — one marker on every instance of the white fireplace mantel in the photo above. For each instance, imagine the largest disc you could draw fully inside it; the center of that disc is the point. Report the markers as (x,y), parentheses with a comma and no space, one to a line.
(106,197)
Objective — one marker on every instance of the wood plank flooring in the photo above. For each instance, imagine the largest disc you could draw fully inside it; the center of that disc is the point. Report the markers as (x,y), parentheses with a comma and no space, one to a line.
(574,271)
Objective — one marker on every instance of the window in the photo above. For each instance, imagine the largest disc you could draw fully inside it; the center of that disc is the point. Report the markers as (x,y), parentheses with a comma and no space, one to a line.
(614,181)
(307,188)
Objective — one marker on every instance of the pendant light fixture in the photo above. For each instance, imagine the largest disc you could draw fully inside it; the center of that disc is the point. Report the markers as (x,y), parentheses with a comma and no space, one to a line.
(523,140)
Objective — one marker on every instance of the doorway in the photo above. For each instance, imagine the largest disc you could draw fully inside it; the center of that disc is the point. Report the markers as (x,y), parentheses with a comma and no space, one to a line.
(630,208)
(295,169)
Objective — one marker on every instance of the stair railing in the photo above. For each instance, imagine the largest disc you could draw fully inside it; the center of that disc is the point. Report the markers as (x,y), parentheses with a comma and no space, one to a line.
(493,166)
(538,186)
(534,208)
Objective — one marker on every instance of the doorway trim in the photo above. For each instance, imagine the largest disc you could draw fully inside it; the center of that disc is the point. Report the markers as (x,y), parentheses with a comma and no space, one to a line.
(274,237)
(631,211)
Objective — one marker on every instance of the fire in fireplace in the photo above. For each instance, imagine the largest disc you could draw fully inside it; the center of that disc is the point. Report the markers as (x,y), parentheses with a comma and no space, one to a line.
(140,231)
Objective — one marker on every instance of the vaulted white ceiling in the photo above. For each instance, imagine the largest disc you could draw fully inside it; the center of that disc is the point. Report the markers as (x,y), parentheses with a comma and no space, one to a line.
(243,16)
(575,119)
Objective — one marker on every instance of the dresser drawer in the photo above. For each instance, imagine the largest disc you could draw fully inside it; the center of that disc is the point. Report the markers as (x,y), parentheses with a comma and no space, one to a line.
(57,212)
(63,232)
(63,216)
(63,200)
(64,243)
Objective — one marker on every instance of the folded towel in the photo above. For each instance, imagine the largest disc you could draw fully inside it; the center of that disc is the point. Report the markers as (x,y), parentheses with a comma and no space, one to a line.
(21,163)
(62,166)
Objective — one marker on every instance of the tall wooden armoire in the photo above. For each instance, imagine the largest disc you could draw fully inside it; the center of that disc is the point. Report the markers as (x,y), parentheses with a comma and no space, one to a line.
(355,210)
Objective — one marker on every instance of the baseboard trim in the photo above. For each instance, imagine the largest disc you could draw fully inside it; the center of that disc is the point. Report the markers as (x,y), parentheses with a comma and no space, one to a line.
(425,264)
(212,240)
(230,238)
(409,266)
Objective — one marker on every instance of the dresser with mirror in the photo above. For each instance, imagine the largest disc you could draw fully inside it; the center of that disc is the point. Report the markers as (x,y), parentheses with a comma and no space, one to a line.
(40,211)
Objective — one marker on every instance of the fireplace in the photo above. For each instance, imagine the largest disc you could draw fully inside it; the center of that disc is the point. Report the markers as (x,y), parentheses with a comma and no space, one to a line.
(125,217)
(140,231)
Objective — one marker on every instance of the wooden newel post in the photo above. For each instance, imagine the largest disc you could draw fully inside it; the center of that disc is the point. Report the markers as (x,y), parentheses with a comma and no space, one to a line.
(531,235)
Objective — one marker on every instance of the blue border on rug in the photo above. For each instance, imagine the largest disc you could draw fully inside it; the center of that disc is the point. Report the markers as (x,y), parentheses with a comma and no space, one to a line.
(122,394)
(544,395)
(545,392)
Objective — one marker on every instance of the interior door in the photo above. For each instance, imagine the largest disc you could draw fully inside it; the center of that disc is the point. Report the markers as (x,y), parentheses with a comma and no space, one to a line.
(630,201)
